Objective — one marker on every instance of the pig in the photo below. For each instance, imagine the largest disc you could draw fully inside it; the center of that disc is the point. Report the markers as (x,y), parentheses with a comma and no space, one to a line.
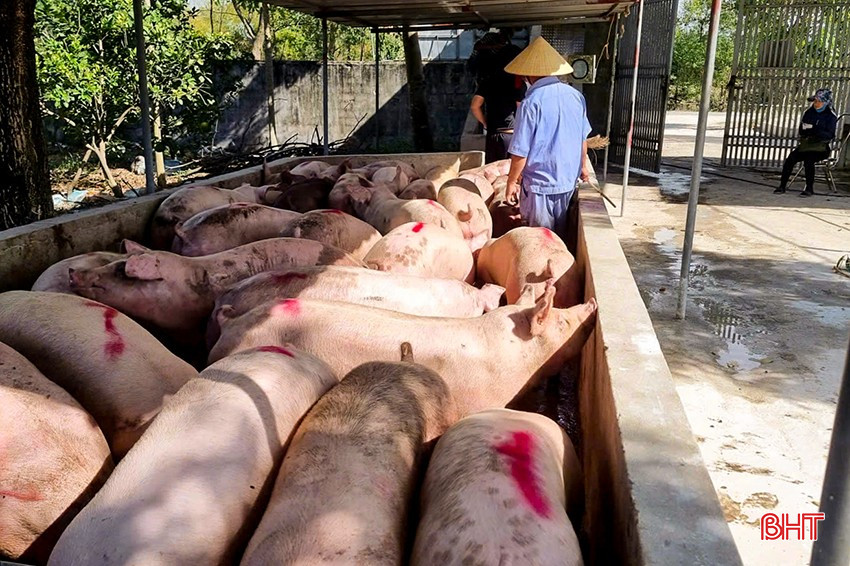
(485,361)
(183,204)
(54,459)
(471,213)
(419,189)
(382,209)
(491,170)
(531,256)
(112,366)
(309,169)
(439,174)
(423,250)
(335,228)
(340,196)
(226,227)
(506,216)
(497,491)
(347,483)
(55,278)
(422,296)
(406,168)
(484,186)
(305,196)
(176,294)
(194,486)
(253,194)
(393,176)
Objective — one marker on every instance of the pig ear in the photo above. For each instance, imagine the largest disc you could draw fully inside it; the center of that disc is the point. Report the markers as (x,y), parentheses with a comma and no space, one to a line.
(345,166)
(526,296)
(491,295)
(144,267)
(539,314)
(133,248)
(548,271)
(223,314)
(360,195)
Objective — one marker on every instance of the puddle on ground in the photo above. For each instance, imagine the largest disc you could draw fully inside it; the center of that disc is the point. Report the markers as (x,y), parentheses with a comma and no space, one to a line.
(737,356)
(839,317)
(676,184)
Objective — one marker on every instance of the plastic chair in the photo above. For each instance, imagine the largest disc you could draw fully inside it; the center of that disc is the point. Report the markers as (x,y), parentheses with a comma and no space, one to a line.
(829,164)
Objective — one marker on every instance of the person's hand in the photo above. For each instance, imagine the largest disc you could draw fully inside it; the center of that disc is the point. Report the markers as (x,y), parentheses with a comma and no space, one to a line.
(512,193)
(585,173)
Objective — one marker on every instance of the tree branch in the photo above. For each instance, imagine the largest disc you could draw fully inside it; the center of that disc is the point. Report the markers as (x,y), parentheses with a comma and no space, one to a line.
(249,29)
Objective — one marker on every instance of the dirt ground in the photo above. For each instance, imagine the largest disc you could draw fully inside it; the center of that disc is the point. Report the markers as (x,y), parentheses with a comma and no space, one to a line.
(758,360)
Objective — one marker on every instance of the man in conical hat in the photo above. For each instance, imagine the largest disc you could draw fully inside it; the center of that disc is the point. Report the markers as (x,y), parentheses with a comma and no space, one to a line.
(548,147)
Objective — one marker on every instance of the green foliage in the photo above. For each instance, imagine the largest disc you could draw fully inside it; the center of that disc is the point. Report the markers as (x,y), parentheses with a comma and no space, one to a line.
(297,36)
(689,51)
(86,57)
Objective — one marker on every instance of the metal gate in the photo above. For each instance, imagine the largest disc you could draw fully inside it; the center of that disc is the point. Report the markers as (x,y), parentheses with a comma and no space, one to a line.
(784,51)
(656,56)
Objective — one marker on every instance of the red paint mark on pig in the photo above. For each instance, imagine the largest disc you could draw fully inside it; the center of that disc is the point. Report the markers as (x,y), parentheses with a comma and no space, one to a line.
(433,203)
(289,307)
(21,495)
(114,346)
(548,234)
(418,227)
(285,278)
(519,453)
(276,350)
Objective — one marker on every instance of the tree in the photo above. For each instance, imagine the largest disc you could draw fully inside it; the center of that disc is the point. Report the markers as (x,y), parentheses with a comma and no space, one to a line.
(86,67)
(24,177)
(689,52)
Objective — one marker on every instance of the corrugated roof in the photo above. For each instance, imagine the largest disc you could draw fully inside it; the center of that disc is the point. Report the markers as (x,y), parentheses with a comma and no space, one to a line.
(452,13)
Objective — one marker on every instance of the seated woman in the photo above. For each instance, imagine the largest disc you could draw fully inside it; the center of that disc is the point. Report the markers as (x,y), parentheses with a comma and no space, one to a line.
(817,129)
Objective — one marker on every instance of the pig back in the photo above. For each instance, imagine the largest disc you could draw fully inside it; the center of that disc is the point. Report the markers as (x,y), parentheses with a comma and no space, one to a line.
(116,370)
(346,484)
(54,459)
(497,491)
(336,228)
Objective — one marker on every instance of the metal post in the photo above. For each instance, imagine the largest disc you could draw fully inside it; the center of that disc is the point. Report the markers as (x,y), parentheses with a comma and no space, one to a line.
(377,89)
(611,97)
(627,159)
(325,83)
(832,546)
(696,169)
(143,96)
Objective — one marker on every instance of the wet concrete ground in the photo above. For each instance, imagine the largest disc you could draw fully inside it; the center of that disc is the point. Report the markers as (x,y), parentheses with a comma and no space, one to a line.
(758,360)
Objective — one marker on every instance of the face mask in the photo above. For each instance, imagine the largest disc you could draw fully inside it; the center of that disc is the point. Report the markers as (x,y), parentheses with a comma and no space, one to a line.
(821,109)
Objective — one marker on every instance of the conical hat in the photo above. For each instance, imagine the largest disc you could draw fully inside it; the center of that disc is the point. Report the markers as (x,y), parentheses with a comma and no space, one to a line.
(539,60)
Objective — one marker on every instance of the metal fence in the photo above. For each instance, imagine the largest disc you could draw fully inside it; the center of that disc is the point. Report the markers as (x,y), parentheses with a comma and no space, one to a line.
(784,51)
(656,51)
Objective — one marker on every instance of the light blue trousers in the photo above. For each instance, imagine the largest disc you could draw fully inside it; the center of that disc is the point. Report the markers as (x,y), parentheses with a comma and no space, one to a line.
(547,211)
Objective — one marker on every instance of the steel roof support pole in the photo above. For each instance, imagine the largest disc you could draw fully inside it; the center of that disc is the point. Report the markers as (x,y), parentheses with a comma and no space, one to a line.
(611,97)
(627,159)
(377,88)
(150,187)
(696,168)
(833,542)
(325,84)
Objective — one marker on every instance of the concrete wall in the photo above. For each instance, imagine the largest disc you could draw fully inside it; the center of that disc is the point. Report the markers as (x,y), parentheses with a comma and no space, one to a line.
(649,499)
(298,100)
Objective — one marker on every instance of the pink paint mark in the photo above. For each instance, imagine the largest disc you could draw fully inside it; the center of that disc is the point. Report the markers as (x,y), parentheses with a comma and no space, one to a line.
(418,227)
(519,452)
(548,234)
(22,496)
(433,203)
(276,350)
(286,278)
(333,211)
(114,346)
(290,307)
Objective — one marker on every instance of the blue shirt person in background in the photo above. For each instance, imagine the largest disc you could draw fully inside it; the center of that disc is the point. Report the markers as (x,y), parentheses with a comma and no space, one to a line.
(817,129)
(549,144)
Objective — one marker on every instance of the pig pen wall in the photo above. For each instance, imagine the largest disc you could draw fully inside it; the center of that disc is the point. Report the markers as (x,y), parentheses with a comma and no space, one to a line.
(648,495)
(26,251)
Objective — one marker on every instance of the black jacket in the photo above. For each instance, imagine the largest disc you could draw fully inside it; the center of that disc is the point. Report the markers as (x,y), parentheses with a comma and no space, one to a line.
(818,126)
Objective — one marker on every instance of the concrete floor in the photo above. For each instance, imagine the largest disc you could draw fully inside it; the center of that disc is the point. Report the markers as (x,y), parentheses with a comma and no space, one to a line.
(758,360)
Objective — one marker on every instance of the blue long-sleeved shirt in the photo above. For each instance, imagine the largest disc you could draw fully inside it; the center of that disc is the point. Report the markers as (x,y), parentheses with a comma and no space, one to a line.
(549,130)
